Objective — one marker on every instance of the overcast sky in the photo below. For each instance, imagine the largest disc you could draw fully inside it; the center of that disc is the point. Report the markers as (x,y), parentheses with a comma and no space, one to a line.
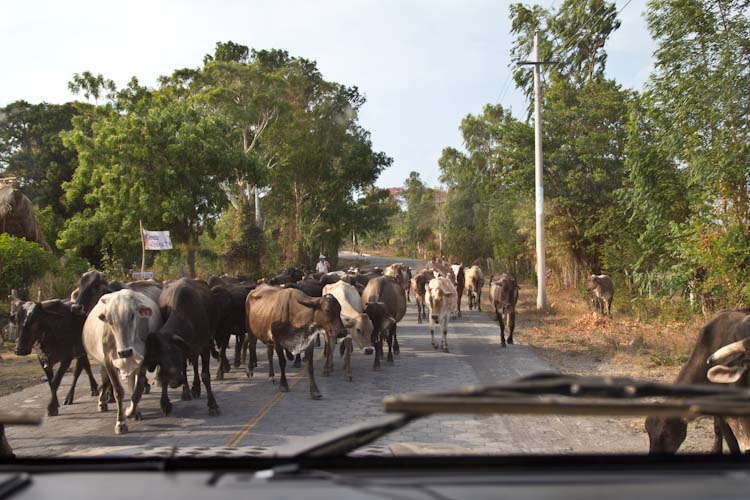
(423,65)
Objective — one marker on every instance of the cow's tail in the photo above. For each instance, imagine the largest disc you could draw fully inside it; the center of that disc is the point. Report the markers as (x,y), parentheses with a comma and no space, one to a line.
(214,352)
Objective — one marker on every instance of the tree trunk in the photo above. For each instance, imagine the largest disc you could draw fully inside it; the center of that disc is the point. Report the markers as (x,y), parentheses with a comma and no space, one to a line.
(191,260)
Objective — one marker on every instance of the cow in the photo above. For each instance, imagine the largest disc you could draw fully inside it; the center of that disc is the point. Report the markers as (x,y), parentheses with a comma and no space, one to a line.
(356,322)
(419,286)
(504,297)
(290,275)
(440,298)
(474,284)
(402,275)
(229,301)
(602,290)
(190,319)
(58,332)
(115,334)
(311,287)
(666,434)
(92,285)
(383,324)
(287,319)
(459,281)
(388,291)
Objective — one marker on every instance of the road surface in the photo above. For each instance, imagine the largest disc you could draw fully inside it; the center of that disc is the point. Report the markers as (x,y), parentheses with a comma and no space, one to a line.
(256,417)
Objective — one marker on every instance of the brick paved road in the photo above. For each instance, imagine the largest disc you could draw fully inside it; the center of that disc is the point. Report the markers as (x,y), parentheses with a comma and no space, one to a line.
(255,416)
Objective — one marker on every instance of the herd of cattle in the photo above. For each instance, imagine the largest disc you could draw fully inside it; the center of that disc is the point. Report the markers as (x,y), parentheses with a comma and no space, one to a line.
(145,326)
(134,328)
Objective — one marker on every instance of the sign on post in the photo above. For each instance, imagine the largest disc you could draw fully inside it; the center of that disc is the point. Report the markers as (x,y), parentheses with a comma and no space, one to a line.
(157,240)
(146,275)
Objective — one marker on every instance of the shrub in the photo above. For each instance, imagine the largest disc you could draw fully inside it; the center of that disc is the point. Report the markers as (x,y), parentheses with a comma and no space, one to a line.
(21,262)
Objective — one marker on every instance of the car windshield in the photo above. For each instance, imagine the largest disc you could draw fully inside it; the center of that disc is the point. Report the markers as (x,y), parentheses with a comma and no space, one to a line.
(236,229)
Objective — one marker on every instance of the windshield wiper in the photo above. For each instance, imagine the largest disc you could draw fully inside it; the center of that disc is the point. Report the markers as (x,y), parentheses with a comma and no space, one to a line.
(540,394)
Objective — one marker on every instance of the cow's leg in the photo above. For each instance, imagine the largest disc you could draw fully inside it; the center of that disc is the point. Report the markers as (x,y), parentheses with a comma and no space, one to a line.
(479,299)
(609,307)
(271,376)
(195,390)
(444,326)
(460,293)
(377,344)
(328,355)
(222,364)
(718,446)
(251,346)
(52,408)
(121,427)
(71,393)
(135,398)
(347,348)
(50,375)
(501,320)
(164,403)
(314,392)
(105,392)
(186,396)
(389,339)
(84,360)
(433,321)
(396,348)
(419,310)
(283,384)
(511,325)
(213,406)
(297,361)
(238,343)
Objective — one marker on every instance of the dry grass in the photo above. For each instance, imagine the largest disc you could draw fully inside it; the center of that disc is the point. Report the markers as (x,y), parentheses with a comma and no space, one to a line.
(570,336)
(18,372)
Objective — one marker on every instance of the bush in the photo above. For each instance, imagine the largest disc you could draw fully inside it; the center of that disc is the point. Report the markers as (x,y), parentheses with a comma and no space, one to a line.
(21,262)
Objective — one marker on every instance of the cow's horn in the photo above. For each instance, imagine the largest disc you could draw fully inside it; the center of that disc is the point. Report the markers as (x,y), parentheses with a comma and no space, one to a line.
(738,347)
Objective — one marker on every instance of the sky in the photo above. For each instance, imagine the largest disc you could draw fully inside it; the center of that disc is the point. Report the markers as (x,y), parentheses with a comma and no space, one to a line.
(422,64)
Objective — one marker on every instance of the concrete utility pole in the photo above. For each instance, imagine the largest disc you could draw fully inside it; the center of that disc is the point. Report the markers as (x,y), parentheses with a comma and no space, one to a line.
(541,266)
(257,205)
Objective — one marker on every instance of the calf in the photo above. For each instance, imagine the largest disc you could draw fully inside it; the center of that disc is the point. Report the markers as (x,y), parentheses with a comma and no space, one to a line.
(419,286)
(441,301)
(116,334)
(383,325)
(229,301)
(287,319)
(58,332)
(665,435)
(190,319)
(356,322)
(474,284)
(504,296)
(459,281)
(602,290)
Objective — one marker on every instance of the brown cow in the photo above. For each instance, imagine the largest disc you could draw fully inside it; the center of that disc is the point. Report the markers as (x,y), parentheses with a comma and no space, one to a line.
(287,319)
(388,291)
(401,274)
(419,287)
(504,296)
(474,284)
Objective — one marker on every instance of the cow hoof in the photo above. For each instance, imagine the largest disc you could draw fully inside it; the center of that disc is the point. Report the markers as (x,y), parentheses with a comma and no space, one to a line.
(503,345)
(166,408)
(186,396)
(95,391)
(316,395)
(121,428)
(376,368)
(396,350)
(445,349)
(248,374)
(147,388)
(283,388)
(52,411)
(349,378)
(68,400)
(195,392)
(220,375)
(510,341)
(273,380)
(103,407)
(237,364)
(111,398)
(214,411)
(297,363)
(435,346)
(368,351)
(135,415)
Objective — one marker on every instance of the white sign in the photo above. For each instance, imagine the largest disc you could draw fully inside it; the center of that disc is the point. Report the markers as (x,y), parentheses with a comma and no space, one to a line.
(146,275)
(157,240)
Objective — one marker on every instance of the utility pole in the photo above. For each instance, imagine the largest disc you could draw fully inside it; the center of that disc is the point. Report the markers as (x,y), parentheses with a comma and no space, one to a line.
(541,266)
(257,206)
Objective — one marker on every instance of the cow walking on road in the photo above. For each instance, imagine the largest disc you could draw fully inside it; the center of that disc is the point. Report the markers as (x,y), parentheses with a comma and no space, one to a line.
(441,300)
(504,297)
(115,334)
(602,290)
(459,281)
(387,291)
(419,287)
(474,283)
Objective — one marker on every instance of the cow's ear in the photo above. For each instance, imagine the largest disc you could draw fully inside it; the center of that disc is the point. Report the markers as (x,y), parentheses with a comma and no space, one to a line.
(145,312)
(311,303)
(102,317)
(723,374)
(180,343)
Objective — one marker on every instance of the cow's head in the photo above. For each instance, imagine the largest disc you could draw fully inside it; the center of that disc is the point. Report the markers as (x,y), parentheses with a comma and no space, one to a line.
(437,297)
(665,435)
(592,283)
(328,315)
(91,286)
(128,318)
(360,328)
(734,359)
(25,316)
(168,351)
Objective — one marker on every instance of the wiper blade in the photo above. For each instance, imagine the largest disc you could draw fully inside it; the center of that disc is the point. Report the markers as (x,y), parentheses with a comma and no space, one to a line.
(554,394)
(7,418)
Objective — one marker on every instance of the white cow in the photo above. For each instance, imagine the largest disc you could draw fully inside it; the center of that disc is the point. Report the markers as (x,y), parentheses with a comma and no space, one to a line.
(115,335)
(357,323)
(440,298)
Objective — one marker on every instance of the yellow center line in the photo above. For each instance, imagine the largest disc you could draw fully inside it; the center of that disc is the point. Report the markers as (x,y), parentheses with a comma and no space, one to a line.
(253,421)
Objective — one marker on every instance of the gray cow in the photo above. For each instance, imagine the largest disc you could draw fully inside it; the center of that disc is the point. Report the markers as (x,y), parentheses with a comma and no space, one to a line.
(504,297)
(602,290)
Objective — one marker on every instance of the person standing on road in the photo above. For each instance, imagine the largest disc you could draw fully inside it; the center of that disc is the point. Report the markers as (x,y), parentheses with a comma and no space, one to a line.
(323,265)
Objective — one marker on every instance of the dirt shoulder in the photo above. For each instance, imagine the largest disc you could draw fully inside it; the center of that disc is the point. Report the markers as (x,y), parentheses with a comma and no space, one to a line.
(18,372)
(569,336)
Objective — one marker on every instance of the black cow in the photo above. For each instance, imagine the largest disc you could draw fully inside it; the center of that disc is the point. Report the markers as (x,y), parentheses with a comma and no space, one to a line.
(58,332)
(92,285)
(291,275)
(384,326)
(229,301)
(311,287)
(190,319)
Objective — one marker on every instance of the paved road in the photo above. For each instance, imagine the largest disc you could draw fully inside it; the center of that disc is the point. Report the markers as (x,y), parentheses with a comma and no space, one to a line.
(255,416)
